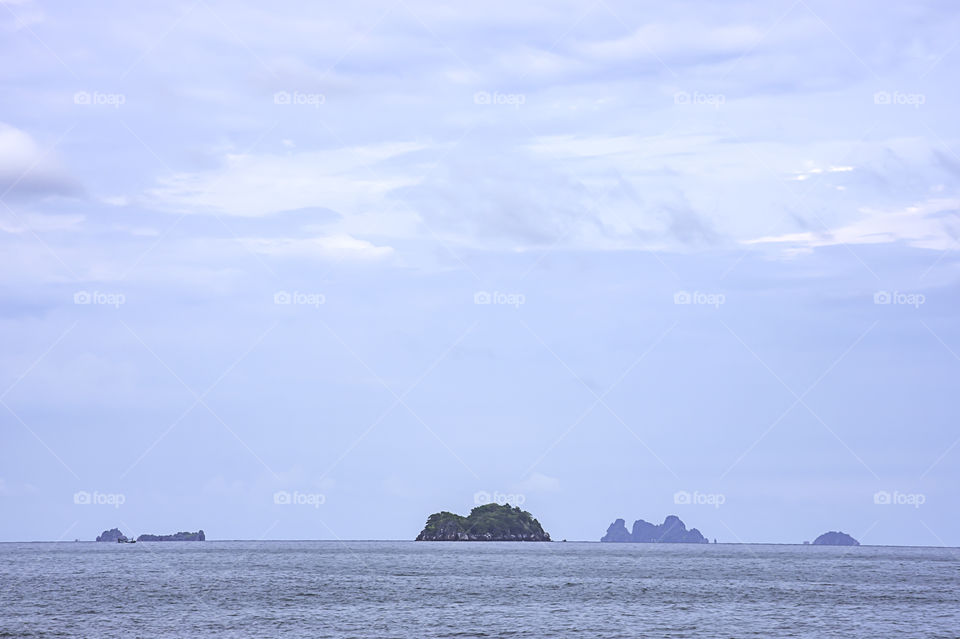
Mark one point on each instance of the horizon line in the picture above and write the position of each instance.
(562, 541)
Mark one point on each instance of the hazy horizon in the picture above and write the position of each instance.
(300, 272)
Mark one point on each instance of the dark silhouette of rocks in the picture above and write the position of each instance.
(617, 531)
(113, 534)
(672, 531)
(835, 538)
(180, 536)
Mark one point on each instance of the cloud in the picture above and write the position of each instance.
(488, 197)
(247, 185)
(599, 157)
(805, 174)
(38, 222)
(677, 41)
(26, 170)
(325, 247)
(688, 226)
(932, 224)
(949, 163)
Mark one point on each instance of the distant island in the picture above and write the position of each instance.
(490, 522)
(672, 531)
(115, 535)
(834, 538)
(180, 536)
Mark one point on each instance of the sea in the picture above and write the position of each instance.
(475, 589)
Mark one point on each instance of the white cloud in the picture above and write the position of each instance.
(933, 224)
(256, 185)
(677, 40)
(26, 168)
(17, 149)
(801, 176)
(325, 247)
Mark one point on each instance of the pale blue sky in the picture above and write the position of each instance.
(172, 173)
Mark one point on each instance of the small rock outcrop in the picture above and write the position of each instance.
(672, 531)
(113, 534)
(490, 522)
(180, 536)
(835, 538)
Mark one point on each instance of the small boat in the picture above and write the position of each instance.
(124, 540)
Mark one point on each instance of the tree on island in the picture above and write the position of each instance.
(490, 522)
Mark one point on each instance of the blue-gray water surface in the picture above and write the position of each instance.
(464, 589)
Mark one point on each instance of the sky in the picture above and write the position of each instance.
(304, 271)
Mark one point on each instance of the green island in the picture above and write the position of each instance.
(490, 522)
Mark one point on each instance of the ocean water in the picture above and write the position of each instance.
(462, 589)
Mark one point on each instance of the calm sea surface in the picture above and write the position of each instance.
(462, 589)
